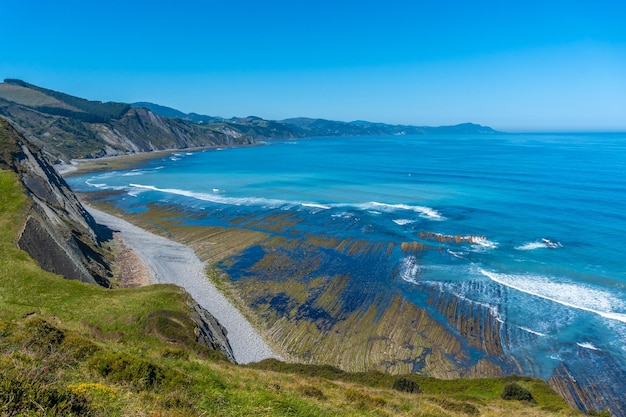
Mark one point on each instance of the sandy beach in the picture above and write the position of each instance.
(169, 262)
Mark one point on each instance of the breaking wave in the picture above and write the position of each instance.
(409, 269)
(425, 212)
(587, 345)
(577, 296)
(539, 244)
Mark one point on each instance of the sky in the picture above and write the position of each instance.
(512, 65)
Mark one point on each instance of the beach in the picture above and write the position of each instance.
(169, 262)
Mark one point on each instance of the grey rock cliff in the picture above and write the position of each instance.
(58, 233)
(210, 332)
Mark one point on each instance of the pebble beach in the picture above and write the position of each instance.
(169, 262)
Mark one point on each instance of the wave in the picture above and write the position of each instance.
(426, 212)
(102, 186)
(483, 242)
(402, 222)
(215, 197)
(539, 244)
(316, 205)
(587, 345)
(576, 296)
(409, 269)
(269, 202)
(526, 329)
(456, 254)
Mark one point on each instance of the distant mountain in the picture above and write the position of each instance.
(321, 127)
(303, 126)
(69, 127)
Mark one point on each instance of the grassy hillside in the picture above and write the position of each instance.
(29, 97)
(68, 348)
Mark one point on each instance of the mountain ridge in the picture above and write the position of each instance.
(68, 127)
(321, 127)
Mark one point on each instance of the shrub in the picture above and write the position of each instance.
(312, 392)
(404, 384)
(79, 348)
(23, 396)
(137, 372)
(43, 338)
(513, 391)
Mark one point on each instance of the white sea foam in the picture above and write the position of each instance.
(587, 345)
(215, 197)
(531, 246)
(248, 201)
(456, 254)
(133, 173)
(526, 329)
(425, 212)
(576, 296)
(402, 222)
(539, 244)
(483, 242)
(100, 185)
(315, 205)
(409, 269)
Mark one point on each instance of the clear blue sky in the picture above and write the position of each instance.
(514, 65)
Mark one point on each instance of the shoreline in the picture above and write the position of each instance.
(127, 161)
(170, 262)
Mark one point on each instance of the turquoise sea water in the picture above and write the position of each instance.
(545, 214)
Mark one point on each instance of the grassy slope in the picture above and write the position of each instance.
(69, 347)
(28, 97)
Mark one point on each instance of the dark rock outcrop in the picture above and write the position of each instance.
(210, 332)
(58, 233)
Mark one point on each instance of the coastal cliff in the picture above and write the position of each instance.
(58, 232)
(63, 238)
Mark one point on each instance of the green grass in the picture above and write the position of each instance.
(28, 97)
(69, 348)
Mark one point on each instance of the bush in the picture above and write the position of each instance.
(513, 391)
(312, 392)
(23, 396)
(404, 384)
(137, 372)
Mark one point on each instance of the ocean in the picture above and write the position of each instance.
(533, 226)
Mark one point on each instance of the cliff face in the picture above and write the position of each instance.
(65, 239)
(59, 233)
(138, 130)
